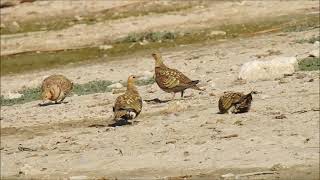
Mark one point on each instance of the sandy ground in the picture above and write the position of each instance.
(183, 137)
(214, 14)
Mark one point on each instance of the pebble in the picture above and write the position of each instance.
(105, 47)
(78, 177)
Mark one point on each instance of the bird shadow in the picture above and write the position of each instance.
(121, 122)
(156, 101)
(51, 103)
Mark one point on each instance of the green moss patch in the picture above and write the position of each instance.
(92, 87)
(309, 64)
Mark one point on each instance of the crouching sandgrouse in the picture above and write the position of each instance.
(235, 102)
(172, 80)
(55, 88)
(128, 105)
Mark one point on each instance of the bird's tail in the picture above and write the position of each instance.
(194, 85)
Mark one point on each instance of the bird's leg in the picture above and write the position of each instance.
(182, 94)
(173, 95)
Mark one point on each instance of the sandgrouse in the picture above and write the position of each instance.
(172, 80)
(128, 105)
(235, 102)
(55, 88)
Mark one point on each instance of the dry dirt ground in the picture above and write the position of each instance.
(184, 138)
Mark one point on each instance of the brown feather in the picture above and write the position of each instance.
(239, 101)
(58, 86)
(171, 80)
(129, 102)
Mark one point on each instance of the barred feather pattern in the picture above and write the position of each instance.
(56, 87)
(235, 101)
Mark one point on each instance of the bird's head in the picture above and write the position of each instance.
(46, 95)
(158, 59)
(131, 82)
(132, 79)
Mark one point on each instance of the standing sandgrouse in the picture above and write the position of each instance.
(128, 105)
(55, 88)
(172, 80)
(235, 102)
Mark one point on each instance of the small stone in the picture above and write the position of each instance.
(229, 175)
(314, 53)
(311, 80)
(78, 177)
(218, 33)
(300, 76)
(12, 95)
(118, 91)
(78, 18)
(116, 86)
(105, 47)
(277, 167)
(282, 116)
(186, 153)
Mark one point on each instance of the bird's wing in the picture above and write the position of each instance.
(172, 78)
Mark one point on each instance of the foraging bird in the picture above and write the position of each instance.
(235, 102)
(56, 88)
(128, 105)
(172, 80)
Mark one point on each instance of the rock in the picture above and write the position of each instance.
(268, 70)
(317, 43)
(118, 91)
(116, 86)
(277, 167)
(14, 26)
(78, 178)
(78, 18)
(28, 170)
(144, 42)
(314, 53)
(105, 47)
(229, 175)
(176, 107)
(12, 95)
(2, 25)
(146, 75)
(217, 33)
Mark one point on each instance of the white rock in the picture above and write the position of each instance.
(146, 75)
(314, 53)
(268, 70)
(105, 47)
(229, 175)
(317, 43)
(78, 178)
(217, 33)
(12, 95)
(116, 86)
(78, 18)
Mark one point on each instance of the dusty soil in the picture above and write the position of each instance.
(184, 138)
(214, 14)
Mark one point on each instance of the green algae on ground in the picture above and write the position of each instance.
(24, 62)
(309, 64)
(147, 41)
(92, 87)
